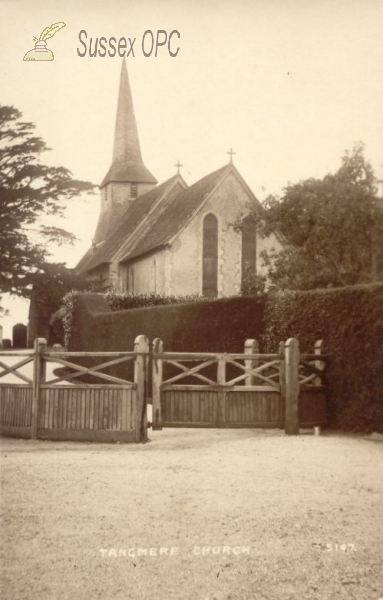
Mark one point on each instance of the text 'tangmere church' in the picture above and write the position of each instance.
(169, 238)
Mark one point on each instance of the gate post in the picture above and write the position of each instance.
(157, 376)
(319, 364)
(282, 381)
(251, 347)
(141, 348)
(38, 378)
(292, 386)
(221, 381)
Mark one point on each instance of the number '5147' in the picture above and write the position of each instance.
(340, 547)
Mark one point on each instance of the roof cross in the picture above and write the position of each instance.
(178, 165)
(231, 152)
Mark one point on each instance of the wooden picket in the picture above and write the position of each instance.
(114, 409)
(262, 390)
(250, 389)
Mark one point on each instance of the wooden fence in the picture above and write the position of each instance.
(283, 390)
(64, 408)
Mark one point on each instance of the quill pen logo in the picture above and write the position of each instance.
(40, 51)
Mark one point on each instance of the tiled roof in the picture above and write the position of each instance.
(171, 220)
(170, 210)
(128, 172)
(83, 262)
(133, 216)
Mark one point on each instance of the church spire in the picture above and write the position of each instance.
(127, 165)
(126, 143)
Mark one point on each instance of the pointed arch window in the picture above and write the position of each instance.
(210, 256)
(130, 279)
(249, 251)
(154, 274)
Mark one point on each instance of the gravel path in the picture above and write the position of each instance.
(235, 514)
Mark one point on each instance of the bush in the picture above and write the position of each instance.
(349, 320)
(116, 301)
(126, 301)
(212, 325)
(254, 285)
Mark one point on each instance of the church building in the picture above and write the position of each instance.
(170, 238)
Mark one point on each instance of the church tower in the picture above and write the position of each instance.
(127, 177)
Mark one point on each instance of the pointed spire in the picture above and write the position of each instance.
(126, 143)
(127, 165)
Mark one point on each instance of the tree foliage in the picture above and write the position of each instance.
(29, 190)
(332, 227)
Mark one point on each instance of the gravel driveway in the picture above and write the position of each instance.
(194, 514)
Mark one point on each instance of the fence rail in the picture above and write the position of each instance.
(91, 402)
(108, 408)
(248, 389)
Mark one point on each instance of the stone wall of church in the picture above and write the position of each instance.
(148, 274)
(115, 199)
(178, 270)
(120, 192)
(227, 202)
(99, 278)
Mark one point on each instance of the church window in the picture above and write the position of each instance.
(154, 267)
(133, 190)
(130, 279)
(210, 256)
(249, 251)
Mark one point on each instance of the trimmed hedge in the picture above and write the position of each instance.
(126, 301)
(217, 325)
(195, 327)
(61, 320)
(349, 320)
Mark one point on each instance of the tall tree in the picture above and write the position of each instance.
(333, 228)
(29, 190)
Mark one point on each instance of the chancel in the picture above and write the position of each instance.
(170, 238)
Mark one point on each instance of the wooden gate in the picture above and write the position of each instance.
(104, 408)
(282, 390)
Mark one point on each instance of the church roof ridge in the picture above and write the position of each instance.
(177, 213)
(130, 220)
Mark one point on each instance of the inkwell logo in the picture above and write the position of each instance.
(40, 51)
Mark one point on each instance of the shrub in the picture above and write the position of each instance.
(350, 321)
(253, 285)
(125, 300)
(116, 301)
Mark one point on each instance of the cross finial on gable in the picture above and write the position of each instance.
(178, 165)
(231, 152)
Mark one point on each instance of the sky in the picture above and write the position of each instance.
(288, 84)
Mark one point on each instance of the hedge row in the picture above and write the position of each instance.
(216, 325)
(349, 320)
(61, 320)
(125, 300)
